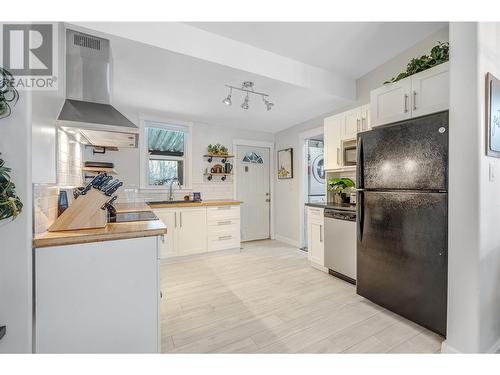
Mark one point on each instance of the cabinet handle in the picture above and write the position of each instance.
(180, 219)
(338, 156)
(175, 216)
(321, 233)
(414, 100)
(363, 122)
(3, 331)
(406, 103)
(224, 222)
(224, 207)
(225, 238)
(357, 125)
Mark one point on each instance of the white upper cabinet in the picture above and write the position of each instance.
(430, 91)
(352, 123)
(333, 141)
(418, 95)
(365, 118)
(391, 102)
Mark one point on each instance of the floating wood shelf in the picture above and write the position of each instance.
(223, 175)
(222, 157)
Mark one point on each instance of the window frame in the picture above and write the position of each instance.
(167, 124)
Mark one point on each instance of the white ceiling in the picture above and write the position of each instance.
(150, 79)
(350, 48)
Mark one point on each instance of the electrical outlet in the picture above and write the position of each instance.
(492, 172)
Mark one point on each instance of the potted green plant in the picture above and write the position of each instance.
(10, 204)
(8, 94)
(341, 186)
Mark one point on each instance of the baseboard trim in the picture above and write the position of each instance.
(446, 348)
(286, 240)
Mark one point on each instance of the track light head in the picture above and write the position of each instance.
(245, 105)
(269, 105)
(227, 101)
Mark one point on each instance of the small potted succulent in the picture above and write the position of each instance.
(217, 150)
(341, 188)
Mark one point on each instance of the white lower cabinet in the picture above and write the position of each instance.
(316, 236)
(194, 230)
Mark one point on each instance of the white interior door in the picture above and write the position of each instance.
(252, 188)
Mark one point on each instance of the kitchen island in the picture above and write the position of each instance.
(98, 290)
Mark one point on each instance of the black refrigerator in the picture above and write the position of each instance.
(402, 218)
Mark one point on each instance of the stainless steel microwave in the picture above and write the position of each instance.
(350, 155)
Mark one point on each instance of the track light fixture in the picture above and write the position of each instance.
(227, 101)
(247, 87)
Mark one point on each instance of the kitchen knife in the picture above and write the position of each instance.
(94, 182)
(109, 192)
(104, 183)
(109, 203)
(110, 185)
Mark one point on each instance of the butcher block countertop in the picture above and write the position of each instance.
(215, 202)
(112, 231)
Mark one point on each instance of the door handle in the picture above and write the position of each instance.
(414, 100)
(406, 103)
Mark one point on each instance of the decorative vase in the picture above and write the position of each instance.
(337, 198)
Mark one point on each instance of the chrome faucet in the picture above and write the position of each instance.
(172, 180)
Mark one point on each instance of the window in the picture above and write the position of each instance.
(253, 157)
(166, 149)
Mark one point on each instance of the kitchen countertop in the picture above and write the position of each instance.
(112, 231)
(204, 203)
(337, 206)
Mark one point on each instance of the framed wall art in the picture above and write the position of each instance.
(492, 116)
(285, 164)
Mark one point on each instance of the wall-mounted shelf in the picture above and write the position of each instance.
(223, 176)
(222, 157)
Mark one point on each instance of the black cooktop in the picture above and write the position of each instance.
(124, 217)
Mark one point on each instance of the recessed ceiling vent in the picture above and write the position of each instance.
(86, 41)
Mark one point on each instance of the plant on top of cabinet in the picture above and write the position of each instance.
(217, 150)
(440, 53)
(10, 204)
(340, 186)
(8, 94)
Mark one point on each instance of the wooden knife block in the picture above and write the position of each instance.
(84, 213)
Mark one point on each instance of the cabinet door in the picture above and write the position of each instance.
(352, 123)
(168, 246)
(365, 118)
(316, 245)
(391, 103)
(430, 91)
(192, 230)
(332, 145)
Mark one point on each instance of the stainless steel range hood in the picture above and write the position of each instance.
(87, 110)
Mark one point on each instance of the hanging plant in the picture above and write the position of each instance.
(10, 204)
(8, 94)
(439, 54)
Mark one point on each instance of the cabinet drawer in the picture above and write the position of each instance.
(223, 240)
(314, 212)
(223, 213)
(224, 225)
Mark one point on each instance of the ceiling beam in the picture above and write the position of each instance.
(188, 40)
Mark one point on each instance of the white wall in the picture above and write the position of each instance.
(15, 236)
(287, 192)
(474, 247)
(127, 161)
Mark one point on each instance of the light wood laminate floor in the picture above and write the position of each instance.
(268, 299)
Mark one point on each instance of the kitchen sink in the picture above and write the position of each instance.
(171, 202)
